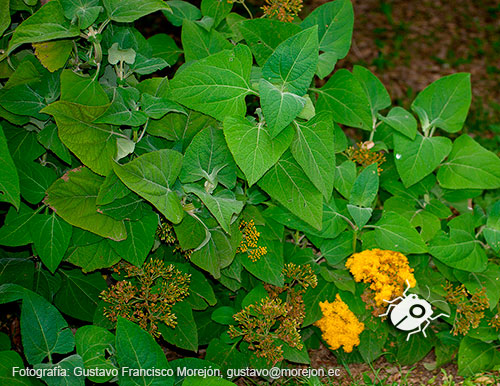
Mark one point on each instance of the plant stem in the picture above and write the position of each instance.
(245, 6)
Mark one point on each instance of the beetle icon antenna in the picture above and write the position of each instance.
(428, 292)
(407, 287)
(438, 300)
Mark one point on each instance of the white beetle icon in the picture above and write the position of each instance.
(411, 313)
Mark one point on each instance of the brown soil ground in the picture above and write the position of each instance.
(409, 44)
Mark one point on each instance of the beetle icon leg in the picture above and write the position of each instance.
(389, 309)
(426, 324)
(437, 316)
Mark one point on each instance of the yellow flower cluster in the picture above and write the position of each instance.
(249, 242)
(339, 325)
(387, 271)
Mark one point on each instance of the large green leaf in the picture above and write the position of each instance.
(414, 349)
(314, 149)
(475, 356)
(131, 207)
(4, 17)
(73, 197)
(344, 97)
(22, 143)
(313, 296)
(402, 121)
(444, 103)
(207, 157)
(50, 140)
(185, 333)
(180, 127)
(123, 109)
(79, 293)
(216, 9)
(82, 90)
(459, 249)
(70, 365)
(292, 64)
(264, 35)
(217, 251)
(287, 183)
(395, 233)
(51, 236)
(469, 166)
(287, 75)
(15, 231)
(164, 47)
(222, 205)
(93, 256)
(335, 21)
(86, 11)
(417, 158)
(48, 23)
(53, 55)
(269, 267)
(136, 349)
(190, 233)
(127, 11)
(337, 249)
(216, 85)
(201, 293)
(9, 179)
(372, 344)
(94, 144)
(365, 187)
(198, 43)
(23, 99)
(279, 107)
(182, 10)
(492, 229)
(139, 241)
(112, 189)
(345, 175)
(475, 281)
(43, 329)
(333, 224)
(360, 214)
(34, 179)
(152, 176)
(9, 358)
(253, 149)
(377, 94)
(94, 344)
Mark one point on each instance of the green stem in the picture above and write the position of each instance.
(372, 134)
(103, 25)
(245, 6)
(354, 239)
(354, 227)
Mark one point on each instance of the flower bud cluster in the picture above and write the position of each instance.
(277, 318)
(470, 307)
(146, 295)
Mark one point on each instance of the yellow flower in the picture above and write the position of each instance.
(339, 325)
(387, 271)
(249, 242)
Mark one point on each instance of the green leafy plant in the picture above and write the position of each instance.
(216, 173)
